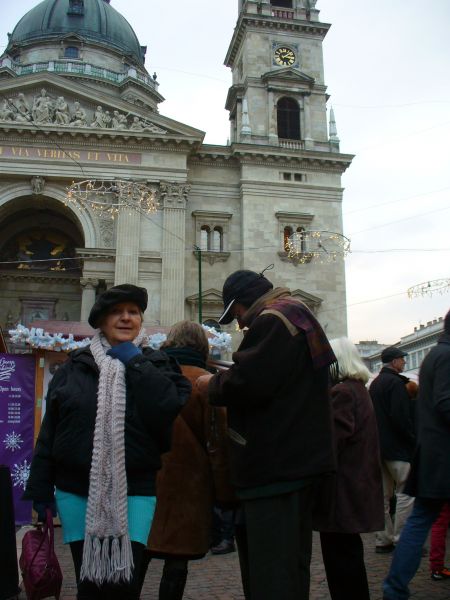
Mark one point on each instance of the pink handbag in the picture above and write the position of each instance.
(41, 573)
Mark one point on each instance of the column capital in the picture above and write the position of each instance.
(88, 283)
(174, 195)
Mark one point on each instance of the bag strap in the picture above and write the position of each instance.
(46, 531)
(50, 528)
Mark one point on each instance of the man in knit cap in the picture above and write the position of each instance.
(279, 424)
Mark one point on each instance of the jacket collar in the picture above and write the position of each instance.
(262, 302)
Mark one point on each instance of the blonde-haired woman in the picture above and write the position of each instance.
(356, 504)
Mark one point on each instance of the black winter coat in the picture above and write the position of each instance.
(430, 469)
(278, 407)
(155, 393)
(394, 410)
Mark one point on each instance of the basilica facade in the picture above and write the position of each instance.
(78, 104)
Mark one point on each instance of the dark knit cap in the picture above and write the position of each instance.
(390, 353)
(244, 287)
(447, 323)
(115, 295)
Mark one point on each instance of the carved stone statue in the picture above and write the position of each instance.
(23, 110)
(62, 116)
(37, 184)
(6, 114)
(42, 108)
(137, 124)
(119, 120)
(99, 118)
(107, 119)
(79, 116)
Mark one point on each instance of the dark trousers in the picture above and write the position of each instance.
(274, 546)
(343, 557)
(174, 576)
(108, 591)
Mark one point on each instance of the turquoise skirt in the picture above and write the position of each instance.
(72, 513)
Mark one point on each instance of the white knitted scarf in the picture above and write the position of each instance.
(107, 554)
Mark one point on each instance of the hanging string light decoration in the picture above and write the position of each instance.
(112, 196)
(428, 288)
(319, 246)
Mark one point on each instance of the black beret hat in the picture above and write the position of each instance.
(115, 295)
(245, 287)
(391, 352)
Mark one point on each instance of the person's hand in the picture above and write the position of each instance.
(202, 384)
(41, 509)
(124, 351)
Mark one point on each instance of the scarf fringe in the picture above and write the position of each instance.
(107, 560)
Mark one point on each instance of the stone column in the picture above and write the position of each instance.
(272, 119)
(127, 247)
(88, 296)
(307, 135)
(174, 200)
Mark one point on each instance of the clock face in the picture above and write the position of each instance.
(284, 57)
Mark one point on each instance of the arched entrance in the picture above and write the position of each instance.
(39, 271)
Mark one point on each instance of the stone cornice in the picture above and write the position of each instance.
(266, 22)
(86, 135)
(274, 155)
(42, 277)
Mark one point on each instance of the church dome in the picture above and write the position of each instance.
(94, 21)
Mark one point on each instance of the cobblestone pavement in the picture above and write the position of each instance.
(218, 578)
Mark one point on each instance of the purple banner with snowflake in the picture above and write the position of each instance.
(17, 374)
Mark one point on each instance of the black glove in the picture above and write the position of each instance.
(41, 509)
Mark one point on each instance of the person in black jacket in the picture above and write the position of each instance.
(429, 480)
(394, 410)
(109, 416)
(280, 430)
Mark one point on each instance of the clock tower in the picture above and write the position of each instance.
(278, 96)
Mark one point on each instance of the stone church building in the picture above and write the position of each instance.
(77, 103)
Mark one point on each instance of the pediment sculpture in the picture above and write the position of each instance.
(44, 109)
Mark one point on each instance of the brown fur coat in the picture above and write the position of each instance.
(194, 475)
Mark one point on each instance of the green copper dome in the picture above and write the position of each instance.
(93, 20)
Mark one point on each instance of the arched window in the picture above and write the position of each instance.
(286, 235)
(39, 249)
(288, 119)
(71, 52)
(217, 240)
(205, 236)
(282, 3)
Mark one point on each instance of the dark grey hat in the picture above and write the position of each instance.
(391, 352)
(119, 293)
(245, 287)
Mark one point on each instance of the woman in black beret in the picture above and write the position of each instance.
(109, 416)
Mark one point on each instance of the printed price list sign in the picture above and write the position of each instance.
(17, 377)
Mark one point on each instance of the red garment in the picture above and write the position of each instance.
(438, 539)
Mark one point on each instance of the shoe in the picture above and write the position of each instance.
(385, 549)
(224, 547)
(439, 575)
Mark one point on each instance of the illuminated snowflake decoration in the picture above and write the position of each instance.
(20, 474)
(13, 441)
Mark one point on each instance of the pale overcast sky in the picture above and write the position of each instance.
(387, 66)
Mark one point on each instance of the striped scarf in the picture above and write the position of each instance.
(107, 554)
(297, 313)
